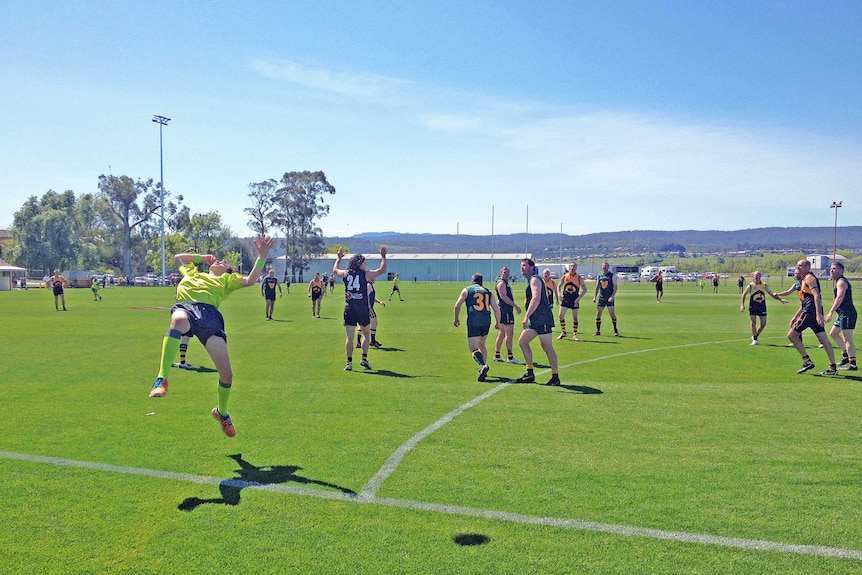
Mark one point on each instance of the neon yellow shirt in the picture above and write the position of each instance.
(205, 287)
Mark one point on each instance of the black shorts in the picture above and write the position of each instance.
(802, 321)
(757, 309)
(58, 290)
(570, 302)
(476, 330)
(541, 325)
(206, 320)
(507, 316)
(356, 316)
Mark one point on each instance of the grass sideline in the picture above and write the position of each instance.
(679, 426)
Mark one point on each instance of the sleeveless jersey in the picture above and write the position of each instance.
(356, 289)
(269, 287)
(570, 287)
(478, 305)
(806, 296)
(606, 286)
(544, 312)
(550, 289)
(757, 299)
(316, 288)
(846, 306)
(504, 307)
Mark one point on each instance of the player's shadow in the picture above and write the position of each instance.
(582, 389)
(387, 373)
(202, 369)
(251, 476)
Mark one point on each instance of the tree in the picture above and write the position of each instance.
(45, 231)
(129, 217)
(207, 234)
(263, 197)
(299, 204)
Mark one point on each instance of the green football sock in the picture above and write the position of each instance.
(223, 394)
(170, 348)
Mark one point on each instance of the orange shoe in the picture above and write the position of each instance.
(160, 387)
(226, 423)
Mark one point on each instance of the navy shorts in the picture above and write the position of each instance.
(846, 321)
(570, 302)
(206, 320)
(507, 316)
(541, 325)
(356, 316)
(478, 330)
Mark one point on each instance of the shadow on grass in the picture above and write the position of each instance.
(387, 373)
(252, 475)
(582, 389)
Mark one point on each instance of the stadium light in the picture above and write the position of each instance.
(162, 121)
(835, 205)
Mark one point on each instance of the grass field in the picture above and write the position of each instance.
(676, 448)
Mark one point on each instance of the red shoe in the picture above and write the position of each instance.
(226, 423)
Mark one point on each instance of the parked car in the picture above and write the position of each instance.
(634, 278)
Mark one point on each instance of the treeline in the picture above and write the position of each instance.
(119, 229)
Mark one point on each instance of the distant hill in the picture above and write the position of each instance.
(809, 240)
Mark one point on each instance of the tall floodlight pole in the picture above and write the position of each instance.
(835, 205)
(162, 121)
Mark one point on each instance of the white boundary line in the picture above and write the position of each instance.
(394, 460)
(556, 522)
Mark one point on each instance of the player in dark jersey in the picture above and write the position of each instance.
(538, 322)
(810, 315)
(372, 315)
(58, 282)
(572, 288)
(550, 286)
(316, 291)
(508, 308)
(606, 293)
(757, 292)
(480, 303)
(356, 310)
(267, 290)
(842, 330)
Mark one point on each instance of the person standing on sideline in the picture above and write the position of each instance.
(356, 309)
(95, 288)
(287, 282)
(316, 290)
(659, 286)
(758, 291)
(571, 288)
(740, 283)
(196, 313)
(480, 302)
(714, 283)
(810, 315)
(538, 322)
(58, 282)
(604, 296)
(267, 290)
(842, 331)
(508, 309)
(396, 287)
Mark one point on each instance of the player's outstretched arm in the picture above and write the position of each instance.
(262, 245)
(372, 274)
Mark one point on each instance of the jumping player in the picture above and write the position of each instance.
(572, 289)
(480, 302)
(810, 315)
(196, 313)
(758, 291)
(356, 310)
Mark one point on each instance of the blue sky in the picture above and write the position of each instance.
(599, 116)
